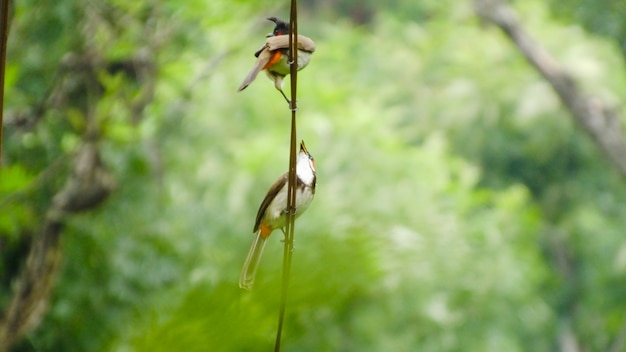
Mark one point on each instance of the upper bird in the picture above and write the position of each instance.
(273, 57)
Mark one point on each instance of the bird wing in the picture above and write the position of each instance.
(271, 194)
(282, 42)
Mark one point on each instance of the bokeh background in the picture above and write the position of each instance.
(458, 205)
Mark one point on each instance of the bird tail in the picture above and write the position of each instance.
(251, 76)
(248, 273)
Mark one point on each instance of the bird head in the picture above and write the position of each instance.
(281, 27)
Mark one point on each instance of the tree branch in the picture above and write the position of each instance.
(76, 85)
(595, 118)
(87, 186)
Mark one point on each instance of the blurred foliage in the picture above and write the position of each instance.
(458, 207)
(603, 17)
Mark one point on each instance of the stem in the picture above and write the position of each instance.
(4, 33)
(291, 191)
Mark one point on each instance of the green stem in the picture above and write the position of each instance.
(291, 192)
(4, 33)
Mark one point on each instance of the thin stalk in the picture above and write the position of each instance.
(291, 191)
(4, 34)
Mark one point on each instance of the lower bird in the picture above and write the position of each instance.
(272, 213)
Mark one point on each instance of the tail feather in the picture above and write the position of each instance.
(251, 76)
(260, 63)
(248, 272)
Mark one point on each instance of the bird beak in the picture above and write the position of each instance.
(269, 35)
(303, 147)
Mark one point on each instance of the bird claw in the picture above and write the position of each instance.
(292, 107)
(287, 99)
(291, 244)
(284, 239)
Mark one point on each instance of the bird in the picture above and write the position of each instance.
(273, 56)
(272, 213)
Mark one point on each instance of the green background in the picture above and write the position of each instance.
(458, 206)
